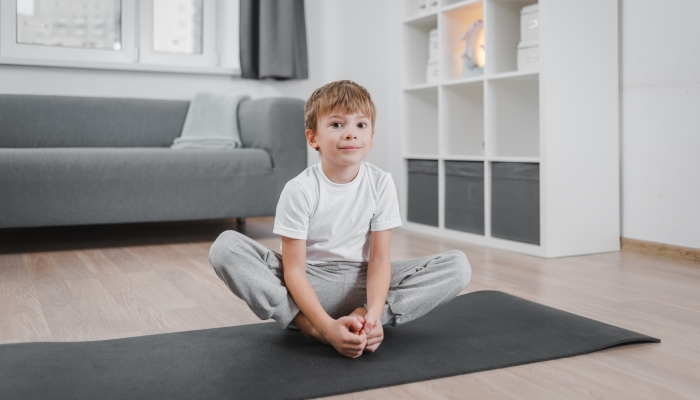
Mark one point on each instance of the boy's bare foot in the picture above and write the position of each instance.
(307, 328)
(358, 312)
(341, 335)
(372, 327)
(375, 336)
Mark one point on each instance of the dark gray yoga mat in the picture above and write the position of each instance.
(475, 332)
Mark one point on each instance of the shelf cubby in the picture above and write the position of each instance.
(422, 120)
(416, 32)
(463, 119)
(503, 34)
(512, 117)
(455, 21)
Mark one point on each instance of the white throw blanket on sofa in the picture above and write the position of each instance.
(211, 122)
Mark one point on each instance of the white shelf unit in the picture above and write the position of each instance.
(563, 118)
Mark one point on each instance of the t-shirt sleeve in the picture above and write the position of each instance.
(293, 212)
(387, 215)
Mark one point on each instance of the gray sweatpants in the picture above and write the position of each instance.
(254, 273)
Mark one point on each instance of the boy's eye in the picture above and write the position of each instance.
(336, 124)
(361, 125)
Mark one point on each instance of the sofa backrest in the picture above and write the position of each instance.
(66, 121)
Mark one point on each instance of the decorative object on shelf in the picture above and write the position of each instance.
(474, 57)
(432, 71)
(529, 56)
(529, 23)
(434, 43)
(529, 46)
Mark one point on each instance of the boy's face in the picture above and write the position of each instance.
(343, 139)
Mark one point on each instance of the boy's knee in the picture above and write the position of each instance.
(219, 249)
(461, 268)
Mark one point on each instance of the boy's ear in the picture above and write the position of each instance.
(311, 138)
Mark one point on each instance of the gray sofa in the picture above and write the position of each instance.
(80, 160)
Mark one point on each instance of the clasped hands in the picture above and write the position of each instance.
(354, 334)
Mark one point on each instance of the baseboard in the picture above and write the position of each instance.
(660, 249)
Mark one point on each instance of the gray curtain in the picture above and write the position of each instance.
(273, 39)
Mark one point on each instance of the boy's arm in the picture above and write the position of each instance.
(294, 268)
(378, 282)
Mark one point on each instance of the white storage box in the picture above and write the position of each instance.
(433, 5)
(432, 72)
(529, 23)
(434, 44)
(529, 56)
(422, 6)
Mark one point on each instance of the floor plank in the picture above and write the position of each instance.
(21, 317)
(13, 268)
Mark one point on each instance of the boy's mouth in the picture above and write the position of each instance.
(350, 148)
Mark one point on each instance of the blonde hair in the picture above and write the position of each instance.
(343, 96)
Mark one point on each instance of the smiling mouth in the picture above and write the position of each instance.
(350, 148)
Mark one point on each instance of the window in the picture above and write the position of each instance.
(161, 35)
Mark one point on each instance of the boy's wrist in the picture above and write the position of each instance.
(375, 312)
(324, 324)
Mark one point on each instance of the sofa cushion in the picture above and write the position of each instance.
(67, 121)
(67, 186)
(78, 164)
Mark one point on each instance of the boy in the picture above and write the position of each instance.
(334, 279)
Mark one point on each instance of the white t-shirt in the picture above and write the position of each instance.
(336, 219)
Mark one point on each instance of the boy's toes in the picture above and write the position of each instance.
(371, 349)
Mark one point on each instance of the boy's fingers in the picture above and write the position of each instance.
(373, 341)
(355, 338)
(350, 323)
(369, 325)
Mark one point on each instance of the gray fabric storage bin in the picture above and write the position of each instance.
(464, 196)
(515, 201)
(423, 192)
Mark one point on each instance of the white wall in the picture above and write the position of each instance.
(361, 40)
(660, 121)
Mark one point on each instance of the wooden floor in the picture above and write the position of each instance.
(91, 283)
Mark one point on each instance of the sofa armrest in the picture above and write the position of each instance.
(277, 126)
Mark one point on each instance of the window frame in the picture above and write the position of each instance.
(219, 55)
